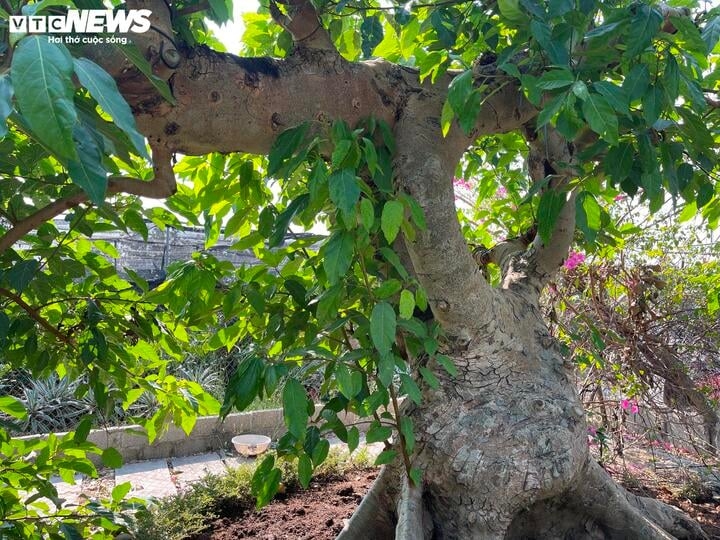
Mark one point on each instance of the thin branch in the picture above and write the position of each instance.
(36, 316)
(162, 186)
(551, 158)
(303, 23)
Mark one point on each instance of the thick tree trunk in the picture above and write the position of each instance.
(503, 450)
(508, 432)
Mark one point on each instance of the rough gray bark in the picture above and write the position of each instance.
(505, 441)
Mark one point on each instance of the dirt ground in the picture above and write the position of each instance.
(319, 512)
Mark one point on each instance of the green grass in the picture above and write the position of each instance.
(181, 516)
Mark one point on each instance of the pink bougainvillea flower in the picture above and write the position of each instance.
(574, 260)
(619, 197)
(501, 192)
(592, 431)
(630, 405)
(461, 183)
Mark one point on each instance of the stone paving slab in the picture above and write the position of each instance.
(70, 492)
(188, 470)
(149, 479)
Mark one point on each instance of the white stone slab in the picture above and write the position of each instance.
(149, 479)
(70, 492)
(188, 470)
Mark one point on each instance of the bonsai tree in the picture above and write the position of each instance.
(362, 116)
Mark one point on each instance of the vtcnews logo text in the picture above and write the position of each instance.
(84, 21)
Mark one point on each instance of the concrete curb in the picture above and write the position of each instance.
(209, 434)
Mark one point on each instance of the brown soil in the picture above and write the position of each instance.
(318, 513)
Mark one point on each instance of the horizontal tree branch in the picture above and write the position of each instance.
(162, 186)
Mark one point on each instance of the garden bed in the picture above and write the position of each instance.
(317, 513)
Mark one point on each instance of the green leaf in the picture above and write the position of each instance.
(21, 274)
(711, 33)
(70, 532)
(132, 53)
(341, 150)
(244, 385)
(416, 476)
(385, 457)
(377, 433)
(580, 89)
(614, 94)
(6, 106)
(388, 288)
(320, 452)
(510, 9)
(295, 412)
(349, 381)
(284, 147)
(383, 325)
(367, 214)
(430, 378)
(390, 256)
(554, 48)
(4, 328)
(671, 77)
(338, 256)
(619, 161)
(371, 32)
(391, 219)
(603, 29)
(556, 78)
(42, 77)
(83, 429)
(601, 117)
(588, 215)
(551, 204)
(406, 429)
(88, 171)
(344, 190)
(652, 103)
(636, 82)
(266, 481)
(409, 386)
(305, 470)
(407, 304)
(220, 11)
(102, 87)
(459, 91)
(120, 490)
(112, 458)
(282, 222)
(386, 369)
(643, 27)
(551, 109)
(353, 439)
(371, 157)
(13, 407)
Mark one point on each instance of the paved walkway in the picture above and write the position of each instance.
(157, 478)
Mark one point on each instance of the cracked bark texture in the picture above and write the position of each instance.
(502, 446)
